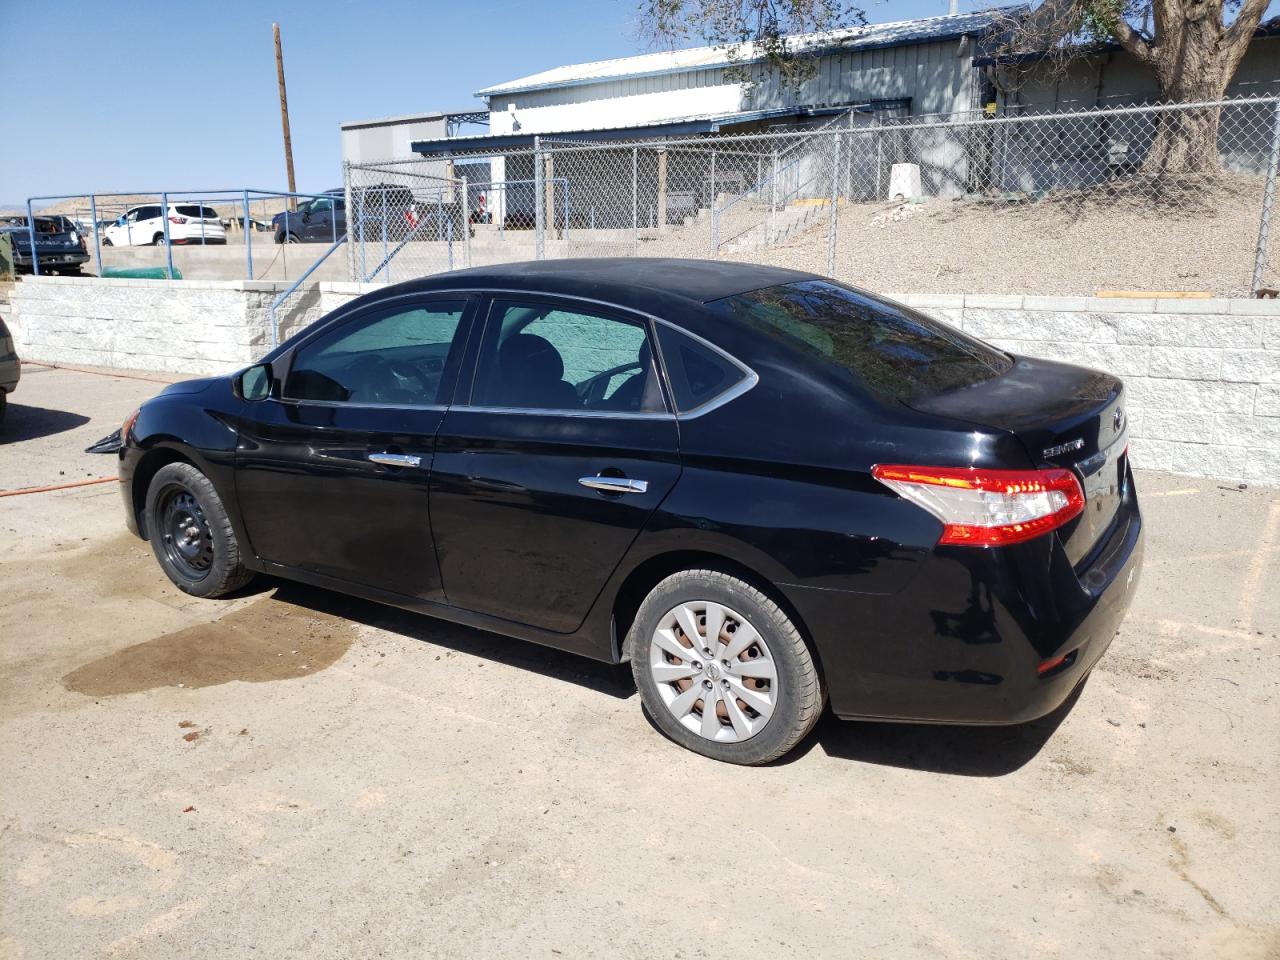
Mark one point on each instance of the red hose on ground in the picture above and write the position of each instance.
(98, 373)
(57, 486)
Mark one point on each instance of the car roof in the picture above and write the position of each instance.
(615, 278)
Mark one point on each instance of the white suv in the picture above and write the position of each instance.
(188, 223)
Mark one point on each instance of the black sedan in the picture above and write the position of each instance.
(764, 489)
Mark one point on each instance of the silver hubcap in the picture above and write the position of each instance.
(714, 671)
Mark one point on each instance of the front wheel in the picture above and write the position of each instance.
(191, 534)
(158, 240)
(722, 670)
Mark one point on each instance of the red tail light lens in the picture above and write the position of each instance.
(988, 508)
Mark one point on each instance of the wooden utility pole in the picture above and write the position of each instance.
(284, 117)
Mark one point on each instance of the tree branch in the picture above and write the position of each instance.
(1247, 20)
(1133, 42)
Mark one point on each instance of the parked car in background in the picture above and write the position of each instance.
(10, 368)
(59, 246)
(320, 220)
(394, 212)
(762, 488)
(189, 222)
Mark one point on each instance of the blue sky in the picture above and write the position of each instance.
(158, 94)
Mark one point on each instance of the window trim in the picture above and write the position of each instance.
(743, 386)
(721, 398)
(453, 358)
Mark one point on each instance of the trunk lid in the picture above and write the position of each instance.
(1064, 416)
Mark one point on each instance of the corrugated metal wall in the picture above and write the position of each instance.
(1116, 80)
(936, 77)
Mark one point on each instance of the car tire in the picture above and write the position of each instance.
(292, 238)
(191, 534)
(4, 404)
(158, 240)
(106, 242)
(795, 695)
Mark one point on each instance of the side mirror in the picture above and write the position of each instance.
(253, 384)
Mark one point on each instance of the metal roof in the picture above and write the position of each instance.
(668, 128)
(466, 112)
(876, 35)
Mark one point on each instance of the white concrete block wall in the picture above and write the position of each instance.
(1203, 376)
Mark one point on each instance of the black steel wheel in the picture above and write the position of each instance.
(191, 534)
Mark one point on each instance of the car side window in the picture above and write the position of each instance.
(697, 373)
(544, 356)
(394, 357)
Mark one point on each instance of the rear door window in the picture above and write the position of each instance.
(892, 350)
(545, 356)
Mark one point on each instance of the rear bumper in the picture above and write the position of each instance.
(10, 373)
(51, 261)
(962, 643)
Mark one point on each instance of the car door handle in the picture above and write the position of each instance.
(396, 459)
(615, 484)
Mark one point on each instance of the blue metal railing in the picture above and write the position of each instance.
(243, 196)
(275, 304)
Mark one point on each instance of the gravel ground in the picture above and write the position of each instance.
(1204, 240)
(295, 774)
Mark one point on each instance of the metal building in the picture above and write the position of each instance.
(908, 68)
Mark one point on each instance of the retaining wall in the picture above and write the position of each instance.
(1203, 375)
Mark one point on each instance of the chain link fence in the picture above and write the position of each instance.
(1153, 198)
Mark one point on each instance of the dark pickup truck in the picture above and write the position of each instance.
(321, 220)
(59, 244)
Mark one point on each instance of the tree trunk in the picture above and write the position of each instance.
(1185, 141)
(1189, 67)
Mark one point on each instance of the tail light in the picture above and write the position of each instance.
(177, 219)
(988, 508)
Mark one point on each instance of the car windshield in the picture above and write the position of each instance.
(892, 350)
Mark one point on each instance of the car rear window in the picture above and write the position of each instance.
(892, 350)
(189, 210)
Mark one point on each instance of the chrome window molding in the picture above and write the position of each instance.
(737, 390)
(569, 412)
(728, 396)
(347, 405)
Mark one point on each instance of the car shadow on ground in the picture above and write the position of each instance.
(933, 748)
(31, 423)
(615, 681)
(962, 751)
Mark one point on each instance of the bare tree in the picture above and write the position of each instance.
(771, 28)
(1188, 45)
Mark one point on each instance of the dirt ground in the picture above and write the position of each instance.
(296, 774)
(1202, 240)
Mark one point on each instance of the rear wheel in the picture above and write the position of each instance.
(191, 534)
(106, 242)
(4, 404)
(722, 670)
